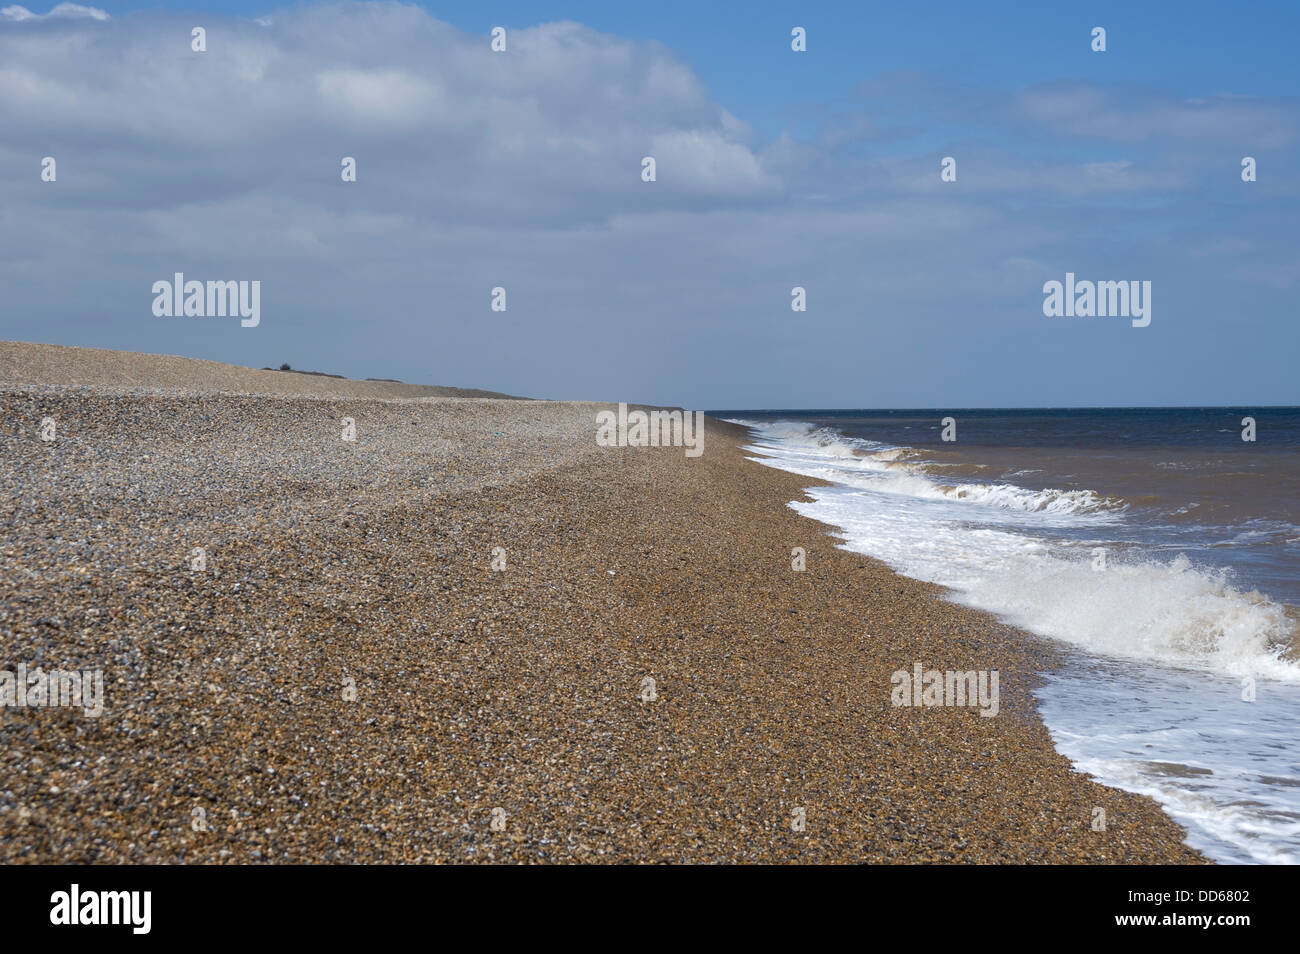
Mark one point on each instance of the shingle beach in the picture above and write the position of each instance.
(349, 678)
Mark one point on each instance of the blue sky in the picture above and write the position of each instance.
(776, 169)
(740, 48)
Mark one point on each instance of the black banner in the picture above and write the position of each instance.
(337, 904)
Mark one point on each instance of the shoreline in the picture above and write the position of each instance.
(477, 689)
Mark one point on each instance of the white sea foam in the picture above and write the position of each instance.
(988, 543)
(1223, 767)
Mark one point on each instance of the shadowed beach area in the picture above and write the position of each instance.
(349, 679)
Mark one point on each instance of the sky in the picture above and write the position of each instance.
(522, 169)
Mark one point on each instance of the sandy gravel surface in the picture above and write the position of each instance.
(23, 362)
(333, 564)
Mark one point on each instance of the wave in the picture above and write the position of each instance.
(902, 470)
(1168, 612)
(987, 544)
(1011, 497)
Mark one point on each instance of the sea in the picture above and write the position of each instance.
(1157, 548)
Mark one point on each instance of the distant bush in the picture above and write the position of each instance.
(285, 367)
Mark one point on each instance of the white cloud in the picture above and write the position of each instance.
(706, 161)
(69, 11)
(1129, 116)
(555, 127)
(390, 96)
